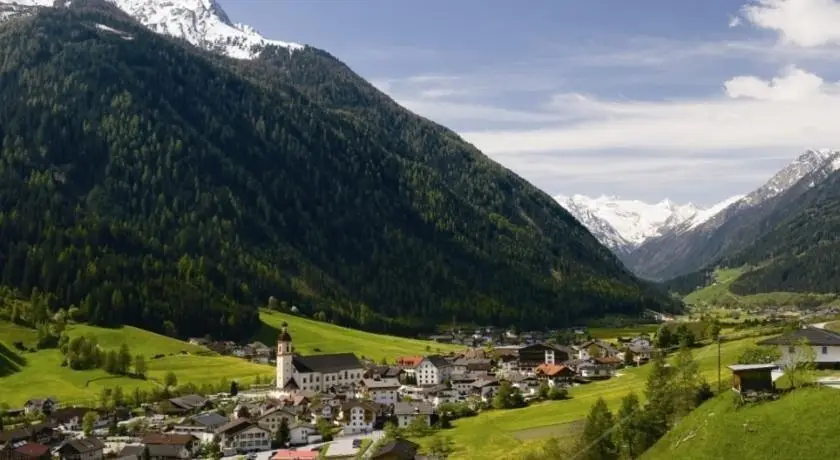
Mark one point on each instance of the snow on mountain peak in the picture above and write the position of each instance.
(202, 23)
(803, 165)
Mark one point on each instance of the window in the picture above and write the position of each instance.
(825, 350)
(791, 349)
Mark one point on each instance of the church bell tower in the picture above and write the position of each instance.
(284, 358)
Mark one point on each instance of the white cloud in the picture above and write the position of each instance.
(792, 111)
(805, 23)
(734, 21)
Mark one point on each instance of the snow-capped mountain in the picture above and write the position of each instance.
(202, 23)
(805, 164)
(622, 225)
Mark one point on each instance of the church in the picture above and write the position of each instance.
(318, 373)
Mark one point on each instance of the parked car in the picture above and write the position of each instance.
(357, 443)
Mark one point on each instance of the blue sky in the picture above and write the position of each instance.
(694, 100)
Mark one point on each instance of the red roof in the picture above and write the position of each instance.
(295, 455)
(551, 369)
(33, 449)
(409, 361)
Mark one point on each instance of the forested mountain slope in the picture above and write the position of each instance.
(144, 180)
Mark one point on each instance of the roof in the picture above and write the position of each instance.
(751, 367)
(410, 361)
(335, 362)
(640, 349)
(436, 360)
(235, 426)
(813, 335)
(284, 334)
(411, 408)
(168, 439)
(484, 383)
(131, 451)
(23, 433)
(189, 401)
(551, 369)
(381, 383)
(287, 454)
(399, 448)
(606, 360)
(164, 450)
(84, 445)
(33, 449)
(210, 419)
(68, 413)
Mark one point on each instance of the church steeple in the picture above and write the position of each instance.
(284, 357)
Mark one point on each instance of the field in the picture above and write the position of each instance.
(508, 433)
(802, 424)
(25, 375)
(311, 337)
(604, 333)
(718, 294)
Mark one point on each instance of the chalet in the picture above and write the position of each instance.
(641, 353)
(433, 370)
(171, 446)
(824, 343)
(591, 369)
(463, 384)
(273, 418)
(82, 449)
(382, 391)
(40, 406)
(554, 373)
(190, 403)
(593, 348)
(358, 416)
(243, 435)
(41, 433)
(69, 418)
(406, 412)
(463, 365)
(752, 377)
(485, 389)
(531, 356)
(397, 449)
(527, 384)
(303, 433)
(202, 426)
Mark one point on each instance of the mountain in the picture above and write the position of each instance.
(623, 225)
(737, 226)
(147, 181)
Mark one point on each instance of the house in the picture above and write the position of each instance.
(433, 370)
(287, 454)
(442, 338)
(69, 418)
(273, 418)
(82, 449)
(595, 371)
(527, 384)
(406, 412)
(397, 449)
(463, 365)
(243, 435)
(593, 348)
(642, 341)
(531, 356)
(40, 406)
(41, 433)
(199, 341)
(303, 433)
(322, 410)
(462, 384)
(171, 446)
(554, 373)
(260, 352)
(358, 416)
(752, 377)
(33, 451)
(641, 353)
(315, 372)
(824, 344)
(381, 391)
(189, 403)
(202, 426)
(485, 389)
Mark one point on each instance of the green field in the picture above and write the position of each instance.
(718, 294)
(800, 425)
(25, 375)
(310, 336)
(604, 333)
(509, 433)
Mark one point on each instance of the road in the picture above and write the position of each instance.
(820, 325)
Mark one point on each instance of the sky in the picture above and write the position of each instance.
(693, 100)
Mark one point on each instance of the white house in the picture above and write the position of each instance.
(315, 372)
(382, 391)
(406, 412)
(358, 416)
(824, 344)
(272, 418)
(485, 389)
(584, 351)
(242, 435)
(303, 433)
(433, 370)
(202, 426)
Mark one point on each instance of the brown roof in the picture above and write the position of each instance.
(32, 449)
(409, 361)
(235, 426)
(84, 445)
(168, 439)
(607, 360)
(551, 370)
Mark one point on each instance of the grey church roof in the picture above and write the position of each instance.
(329, 363)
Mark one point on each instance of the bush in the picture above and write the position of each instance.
(557, 393)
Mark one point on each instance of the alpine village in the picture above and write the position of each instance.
(217, 245)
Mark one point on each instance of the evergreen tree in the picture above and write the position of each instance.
(123, 360)
(140, 368)
(282, 435)
(685, 383)
(660, 401)
(629, 437)
(597, 439)
(170, 380)
(88, 422)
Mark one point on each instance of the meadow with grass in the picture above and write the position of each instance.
(313, 337)
(719, 294)
(509, 434)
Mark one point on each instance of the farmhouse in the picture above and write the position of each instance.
(166, 445)
(824, 344)
(406, 412)
(433, 370)
(316, 372)
(82, 449)
(382, 391)
(242, 435)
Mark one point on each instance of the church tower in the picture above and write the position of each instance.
(284, 358)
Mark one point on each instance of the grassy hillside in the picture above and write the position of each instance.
(720, 294)
(508, 433)
(25, 375)
(800, 425)
(310, 336)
